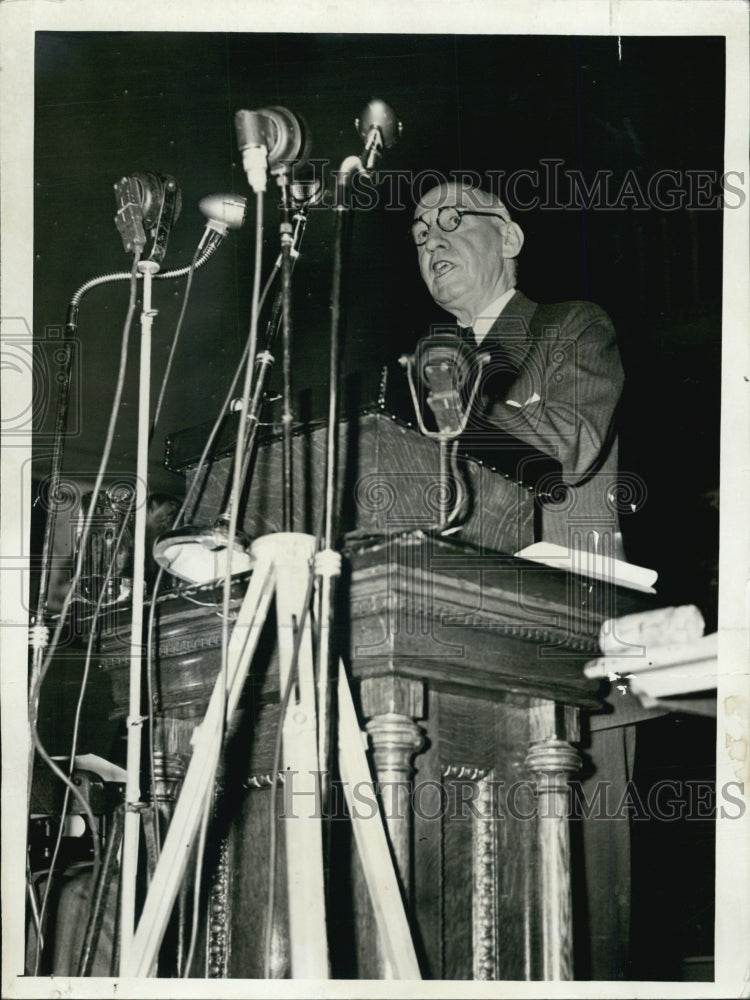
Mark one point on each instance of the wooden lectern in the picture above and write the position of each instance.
(467, 666)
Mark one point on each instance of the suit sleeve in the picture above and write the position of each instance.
(569, 393)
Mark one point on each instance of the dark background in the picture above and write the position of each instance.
(111, 104)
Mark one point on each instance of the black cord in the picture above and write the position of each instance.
(35, 693)
(175, 339)
(77, 721)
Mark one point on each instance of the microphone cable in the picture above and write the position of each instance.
(36, 685)
(208, 244)
(76, 725)
(205, 249)
(175, 339)
(227, 582)
(102, 279)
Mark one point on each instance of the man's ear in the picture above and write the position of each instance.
(512, 239)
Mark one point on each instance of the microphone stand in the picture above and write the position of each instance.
(263, 362)
(129, 222)
(444, 401)
(287, 418)
(133, 805)
(379, 128)
(329, 566)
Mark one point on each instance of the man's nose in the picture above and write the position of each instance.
(436, 239)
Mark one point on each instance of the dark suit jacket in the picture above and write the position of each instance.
(553, 381)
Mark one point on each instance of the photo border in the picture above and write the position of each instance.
(19, 20)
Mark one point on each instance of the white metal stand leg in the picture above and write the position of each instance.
(282, 565)
(134, 721)
(199, 776)
(292, 555)
(372, 844)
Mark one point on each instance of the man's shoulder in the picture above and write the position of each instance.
(574, 310)
(538, 323)
(570, 319)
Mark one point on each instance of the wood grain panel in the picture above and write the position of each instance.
(248, 881)
(458, 887)
(428, 858)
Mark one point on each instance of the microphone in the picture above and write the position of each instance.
(224, 212)
(379, 128)
(268, 139)
(443, 363)
(155, 191)
(147, 201)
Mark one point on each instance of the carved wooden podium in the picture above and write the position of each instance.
(467, 668)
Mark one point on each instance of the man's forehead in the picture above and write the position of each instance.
(458, 195)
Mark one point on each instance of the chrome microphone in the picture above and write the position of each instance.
(268, 140)
(223, 212)
(445, 364)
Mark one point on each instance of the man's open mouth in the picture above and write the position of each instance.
(441, 266)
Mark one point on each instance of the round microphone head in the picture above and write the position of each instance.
(382, 116)
(443, 359)
(227, 209)
(151, 189)
(288, 137)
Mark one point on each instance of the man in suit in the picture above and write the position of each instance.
(554, 376)
(553, 382)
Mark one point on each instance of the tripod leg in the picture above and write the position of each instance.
(292, 556)
(199, 776)
(372, 845)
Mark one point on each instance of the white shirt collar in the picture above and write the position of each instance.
(482, 324)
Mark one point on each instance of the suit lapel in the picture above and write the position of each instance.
(510, 336)
(508, 342)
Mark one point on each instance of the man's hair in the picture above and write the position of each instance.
(471, 195)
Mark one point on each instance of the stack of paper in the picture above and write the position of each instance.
(588, 564)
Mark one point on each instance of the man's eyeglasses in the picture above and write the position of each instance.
(448, 219)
